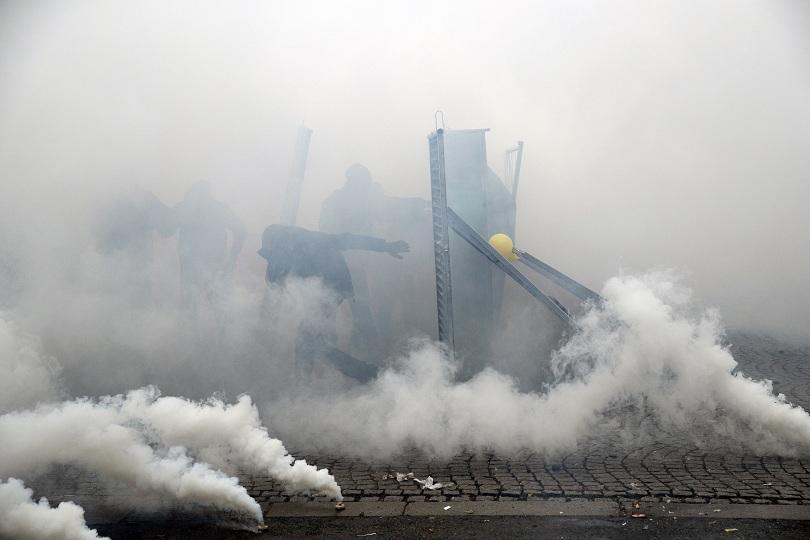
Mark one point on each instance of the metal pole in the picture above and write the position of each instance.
(292, 195)
(441, 240)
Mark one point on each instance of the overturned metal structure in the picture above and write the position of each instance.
(470, 203)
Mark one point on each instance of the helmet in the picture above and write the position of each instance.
(503, 245)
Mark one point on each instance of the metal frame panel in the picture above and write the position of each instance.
(441, 240)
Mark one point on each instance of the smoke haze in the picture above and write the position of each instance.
(660, 134)
(664, 134)
(647, 359)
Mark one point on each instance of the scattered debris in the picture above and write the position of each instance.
(766, 484)
(716, 510)
(638, 515)
(399, 477)
(428, 483)
(448, 507)
(469, 511)
(367, 534)
(731, 529)
(261, 527)
(340, 506)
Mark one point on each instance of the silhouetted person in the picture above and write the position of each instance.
(361, 206)
(125, 230)
(206, 263)
(354, 209)
(293, 251)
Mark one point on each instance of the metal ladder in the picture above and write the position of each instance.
(441, 240)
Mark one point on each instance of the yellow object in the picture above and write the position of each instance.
(503, 245)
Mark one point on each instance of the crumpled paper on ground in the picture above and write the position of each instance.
(427, 483)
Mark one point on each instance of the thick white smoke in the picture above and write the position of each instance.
(23, 519)
(229, 437)
(99, 436)
(645, 346)
(151, 443)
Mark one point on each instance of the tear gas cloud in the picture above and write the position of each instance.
(658, 135)
(647, 352)
(24, 519)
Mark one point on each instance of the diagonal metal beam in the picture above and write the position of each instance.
(482, 246)
(577, 289)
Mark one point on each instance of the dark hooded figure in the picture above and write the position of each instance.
(206, 263)
(293, 251)
(355, 208)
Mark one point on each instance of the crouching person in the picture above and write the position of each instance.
(297, 252)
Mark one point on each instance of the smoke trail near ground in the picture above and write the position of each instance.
(23, 519)
(644, 356)
(100, 437)
(229, 436)
(159, 445)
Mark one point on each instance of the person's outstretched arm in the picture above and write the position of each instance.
(347, 241)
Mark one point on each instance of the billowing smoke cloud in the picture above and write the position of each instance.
(146, 441)
(668, 133)
(103, 438)
(228, 436)
(644, 352)
(23, 519)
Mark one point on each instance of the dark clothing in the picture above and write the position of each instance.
(316, 339)
(292, 251)
(303, 253)
(354, 208)
(129, 222)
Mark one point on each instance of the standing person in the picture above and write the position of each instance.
(206, 263)
(388, 304)
(354, 208)
(293, 251)
(124, 231)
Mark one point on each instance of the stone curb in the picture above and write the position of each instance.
(600, 508)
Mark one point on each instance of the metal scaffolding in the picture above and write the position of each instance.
(446, 219)
(441, 239)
